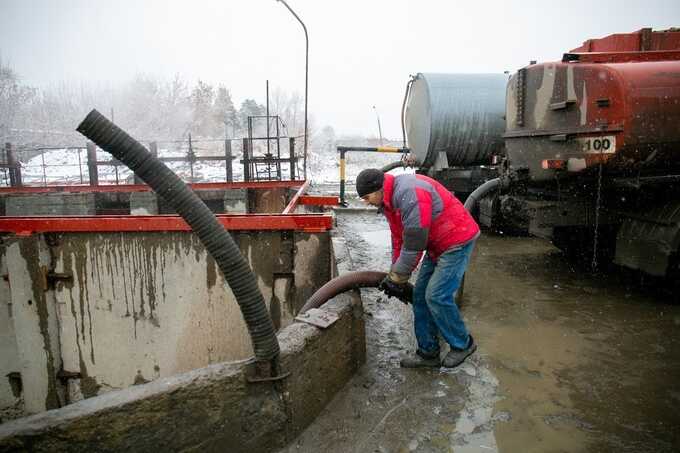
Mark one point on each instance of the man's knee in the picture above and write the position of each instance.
(435, 298)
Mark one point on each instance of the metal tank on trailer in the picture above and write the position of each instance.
(461, 115)
(454, 124)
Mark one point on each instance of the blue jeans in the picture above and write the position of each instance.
(434, 307)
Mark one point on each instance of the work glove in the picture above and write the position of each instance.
(396, 285)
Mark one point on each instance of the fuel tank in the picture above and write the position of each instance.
(619, 106)
(459, 114)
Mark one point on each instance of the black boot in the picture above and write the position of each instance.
(421, 360)
(457, 356)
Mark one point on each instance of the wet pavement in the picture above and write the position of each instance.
(568, 361)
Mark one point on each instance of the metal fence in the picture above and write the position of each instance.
(203, 160)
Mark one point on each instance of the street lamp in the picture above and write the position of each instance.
(379, 128)
(304, 157)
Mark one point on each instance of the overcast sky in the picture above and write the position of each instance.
(361, 51)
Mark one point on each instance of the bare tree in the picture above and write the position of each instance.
(225, 112)
(15, 100)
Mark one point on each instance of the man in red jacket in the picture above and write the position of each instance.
(424, 216)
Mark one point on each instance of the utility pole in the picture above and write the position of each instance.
(304, 156)
(379, 128)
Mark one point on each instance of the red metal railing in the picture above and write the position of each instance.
(30, 225)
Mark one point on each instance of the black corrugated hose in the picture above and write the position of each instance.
(480, 192)
(203, 222)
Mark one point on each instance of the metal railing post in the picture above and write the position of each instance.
(293, 159)
(342, 178)
(191, 157)
(92, 163)
(14, 166)
(246, 161)
(153, 148)
(228, 160)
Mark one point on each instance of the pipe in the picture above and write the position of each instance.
(403, 108)
(399, 163)
(392, 166)
(217, 241)
(350, 280)
(480, 192)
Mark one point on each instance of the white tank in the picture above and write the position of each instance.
(459, 114)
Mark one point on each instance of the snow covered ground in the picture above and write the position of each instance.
(69, 166)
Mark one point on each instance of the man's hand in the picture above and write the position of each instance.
(396, 285)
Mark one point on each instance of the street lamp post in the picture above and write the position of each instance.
(379, 128)
(304, 156)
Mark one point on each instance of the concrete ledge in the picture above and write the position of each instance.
(143, 203)
(212, 408)
(50, 204)
(352, 209)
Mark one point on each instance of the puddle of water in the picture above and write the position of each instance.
(573, 353)
(567, 362)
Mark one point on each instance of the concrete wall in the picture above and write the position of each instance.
(135, 203)
(101, 312)
(235, 201)
(11, 400)
(232, 201)
(143, 203)
(36, 326)
(213, 408)
(50, 204)
(267, 200)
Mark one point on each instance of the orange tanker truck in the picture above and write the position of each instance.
(589, 155)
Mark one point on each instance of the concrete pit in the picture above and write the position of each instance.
(131, 340)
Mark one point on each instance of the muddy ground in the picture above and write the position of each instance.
(568, 361)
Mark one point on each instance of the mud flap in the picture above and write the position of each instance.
(648, 240)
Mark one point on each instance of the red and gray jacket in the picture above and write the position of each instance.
(423, 215)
